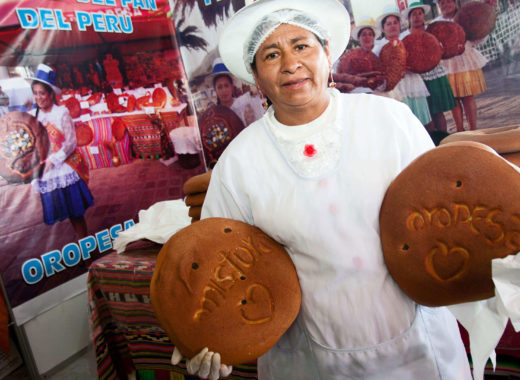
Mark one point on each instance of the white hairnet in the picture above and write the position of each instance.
(270, 22)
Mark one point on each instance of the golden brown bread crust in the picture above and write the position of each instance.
(451, 36)
(358, 61)
(423, 51)
(393, 62)
(197, 184)
(501, 139)
(225, 285)
(445, 217)
(22, 161)
(477, 19)
(196, 199)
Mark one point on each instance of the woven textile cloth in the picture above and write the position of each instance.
(145, 133)
(126, 333)
(103, 148)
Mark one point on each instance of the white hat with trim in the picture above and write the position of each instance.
(330, 16)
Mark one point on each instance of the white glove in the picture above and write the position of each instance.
(206, 364)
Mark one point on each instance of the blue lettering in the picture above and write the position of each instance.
(71, 254)
(208, 2)
(83, 20)
(143, 4)
(129, 223)
(112, 24)
(104, 241)
(126, 26)
(111, 3)
(87, 245)
(98, 2)
(62, 24)
(150, 4)
(114, 231)
(47, 19)
(51, 263)
(99, 22)
(28, 18)
(32, 271)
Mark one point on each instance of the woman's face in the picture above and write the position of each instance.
(416, 18)
(447, 7)
(392, 27)
(224, 90)
(366, 38)
(42, 97)
(292, 69)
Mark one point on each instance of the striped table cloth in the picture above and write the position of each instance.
(103, 147)
(126, 333)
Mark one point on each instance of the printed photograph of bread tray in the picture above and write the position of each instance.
(24, 145)
(225, 285)
(445, 217)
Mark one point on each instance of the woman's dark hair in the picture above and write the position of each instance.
(413, 10)
(217, 77)
(383, 23)
(48, 89)
(360, 30)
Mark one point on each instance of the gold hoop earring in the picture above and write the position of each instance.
(332, 84)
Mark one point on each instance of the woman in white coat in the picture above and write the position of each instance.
(312, 174)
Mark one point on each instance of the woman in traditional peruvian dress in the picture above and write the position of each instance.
(411, 89)
(441, 96)
(62, 186)
(464, 73)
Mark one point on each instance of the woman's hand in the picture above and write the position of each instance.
(206, 364)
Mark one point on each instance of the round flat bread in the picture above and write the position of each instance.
(477, 19)
(24, 145)
(118, 128)
(445, 217)
(423, 52)
(84, 134)
(451, 36)
(358, 61)
(225, 285)
(500, 139)
(218, 126)
(393, 61)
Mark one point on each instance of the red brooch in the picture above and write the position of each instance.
(309, 150)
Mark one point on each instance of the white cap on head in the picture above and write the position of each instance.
(249, 27)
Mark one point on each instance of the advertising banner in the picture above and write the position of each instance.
(94, 97)
(150, 104)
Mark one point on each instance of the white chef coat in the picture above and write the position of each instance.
(354, 321)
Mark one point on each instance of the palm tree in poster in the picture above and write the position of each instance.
(211, 11)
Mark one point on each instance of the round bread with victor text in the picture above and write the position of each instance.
(445, 217)
(225, 285)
